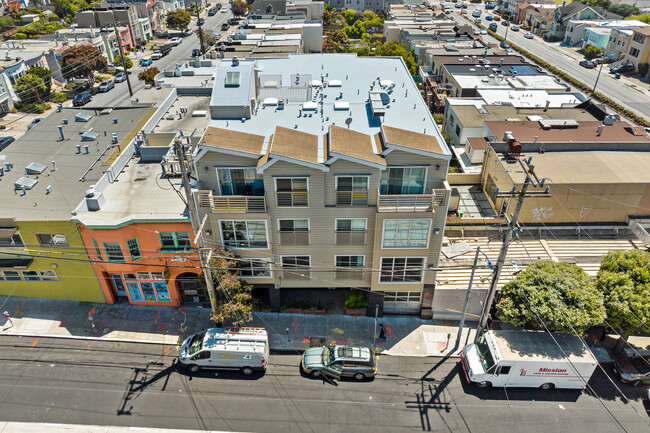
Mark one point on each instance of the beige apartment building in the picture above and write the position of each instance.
(325, 173)
(638, 46)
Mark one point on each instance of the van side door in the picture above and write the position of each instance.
(502, 372)
(203, 358)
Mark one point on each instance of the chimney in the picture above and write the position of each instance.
(235, 61)
(59, 107)
(600, 130)
(48, 189)
(53, 165)
(78, 148)
(548, 102)
(114, 137)
(86, 150)
(61, 133)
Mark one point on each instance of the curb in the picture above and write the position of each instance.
(82, 337)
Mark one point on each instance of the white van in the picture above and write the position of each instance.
(244, 349)
(528, 359)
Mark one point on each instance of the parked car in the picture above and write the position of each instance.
(504, 45)
(175, 41)
(514, 28)
(146, 61)
(463, 11)
(105, 86)
(212, 11)
(633, 369)
(529, 35)
(505, 23)
(457, 5)
(448, 11)
(339, 361)
(120, 77)
(216, 36)
(604, 60)
(156, 55)
(196, 52)
(476, 13)
(497, 18)
(483, 32)
(224, 10)
(476, 31)
(6, 141)
(493, 27)
(622, 68)
(35, 122)
(82, 99)
(587, 64)
(489, 17)
(224, 27)
(187, 32)
(201, 21)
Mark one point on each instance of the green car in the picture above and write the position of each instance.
(339, 361)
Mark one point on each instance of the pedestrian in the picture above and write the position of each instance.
(8, 318)
(382, 332)
(489, 322)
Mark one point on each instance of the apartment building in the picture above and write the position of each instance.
(323, 178)
(638, 46)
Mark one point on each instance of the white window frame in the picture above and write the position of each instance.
(308, 277)
(20, 277)
(383, 231)
(365, 222)
(424, 264)
(339, 175)
(424, 183)
(363, 256)
(275, 188)
(293, 219)
(216, 170)
(48, 275)
(263, 259)
(36, 277)
(266, 229)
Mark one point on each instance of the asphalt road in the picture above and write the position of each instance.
(126, 384)
(119, 96)
(627, 96)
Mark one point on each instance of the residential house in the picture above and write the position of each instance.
(638, 46)
(523, 11)
(576, 31)
(106, 17)
(44, 175)
(617, 43)
(574, 11)
(265, 36)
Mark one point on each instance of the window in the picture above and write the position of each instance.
(113, 251)
(406, 233)
(232, 79)
(351, 231)
(451, 120)
(11, 241)
(254, 268)
(504, 369)
(634, 52)
(244, 234)
(175, 241)
(401, 269)
(98, 251)
(346, 262)
(352, 190)
(296, 267)
(292, 192)
(49, 240)
(403, 180)
(638, 38)
(12, 276)
(134, 249)
(49, 276)
(31, 276)
(294, 231)
(240, 181)
(458, 130)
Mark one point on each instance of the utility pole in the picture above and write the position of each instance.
(531, 179)
(119, 43)
(597, 78)
(198, 21)
(197, 227)
(467, 295)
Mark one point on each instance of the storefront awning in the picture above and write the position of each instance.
(7, 232)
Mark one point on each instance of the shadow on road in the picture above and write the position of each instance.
(142, 379)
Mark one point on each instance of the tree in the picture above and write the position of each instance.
(80, 61)
(547, 285)
(392, 48)
(208, 39)
(350, 16)
(117, 61)
(234, 301)
(645, 18)
(30, 88)
(624, 10)
(178, 19)
(592, 52)
(148, 75)
(239, 8)
(356, 30)
(339, 36)
(45, 74)
(7, 22)
(624, 281)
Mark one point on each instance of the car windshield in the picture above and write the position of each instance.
(196, 343)
(484, 354)
(328, 354)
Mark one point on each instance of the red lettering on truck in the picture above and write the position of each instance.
(552, 370)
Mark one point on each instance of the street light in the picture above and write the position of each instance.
(469, 289)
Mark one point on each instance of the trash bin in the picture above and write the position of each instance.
(460, 212)
(617, 75)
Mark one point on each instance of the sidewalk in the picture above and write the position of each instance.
(405, 335)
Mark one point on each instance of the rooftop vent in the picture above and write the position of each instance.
(82, 117)
(558, 123)
(89, 136)
(310, 105)
(377, 104)
(270, 101)
(35, 168)
(341, 105)
(334, 83)
(25, 183)
(106, 111)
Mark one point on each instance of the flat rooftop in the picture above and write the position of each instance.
(138, 193)
(191, 123)
(531, 98)
(470, 115)
(42, 145)
(538, 345)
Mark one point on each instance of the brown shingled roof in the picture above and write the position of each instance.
(295, 144)
(477, 143)
(354, 144)
(410, 139)
(233, 140)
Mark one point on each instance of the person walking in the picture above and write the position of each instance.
(489, 322)
(8, 318)
(382, 332)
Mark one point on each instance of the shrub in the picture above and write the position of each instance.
(3, 126)
(356, 299)
(47, 106)
(58, 97)
(438, 118)
(592, 52)
(14, 110)
(148, 75)
(20, 36)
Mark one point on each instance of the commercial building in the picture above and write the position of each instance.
(44, 174)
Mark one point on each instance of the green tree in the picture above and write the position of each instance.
(592, 52)
(208, 39)
(624, 10)
(394, 49)
(117, 61)
(45, 74)
(239, 8)
(548, 285)
(7, 22)
(350, 16)
(624, 281)
(178, 19)
(234, 301)
(339, 36)
(645, 18)
(30, 88)
(356, 30)
(148, 75)
(80, 61)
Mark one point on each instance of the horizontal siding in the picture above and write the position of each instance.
(434, 176)
(208, 173)
(342, 166)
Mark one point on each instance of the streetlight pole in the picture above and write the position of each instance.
(119, 43)
(597, 78)
(467, 295)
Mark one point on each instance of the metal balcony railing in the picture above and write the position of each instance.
(352, 198)
(232, 203)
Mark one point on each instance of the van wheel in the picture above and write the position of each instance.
(359, 376)
(547, 386)
(484, 384)
(315, 373)
(247, 371)
(194, 368)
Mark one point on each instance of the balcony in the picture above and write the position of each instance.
(232, 203)
(412, 202)
(352, 198)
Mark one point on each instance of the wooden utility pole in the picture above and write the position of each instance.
(119, 43)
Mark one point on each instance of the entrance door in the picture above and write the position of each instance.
(118, 286)
(402, 302)
(191, 289)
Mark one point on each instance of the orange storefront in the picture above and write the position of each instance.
(145, 263)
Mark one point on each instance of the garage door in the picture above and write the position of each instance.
(402, 302)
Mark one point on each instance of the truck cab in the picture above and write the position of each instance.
(482, 366)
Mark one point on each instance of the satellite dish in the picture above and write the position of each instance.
(348, 121)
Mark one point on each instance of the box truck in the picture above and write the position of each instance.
(243, 349)
(528, 359)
